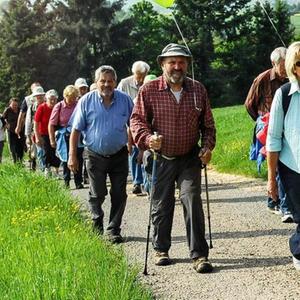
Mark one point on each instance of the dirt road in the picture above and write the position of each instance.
(250, 254)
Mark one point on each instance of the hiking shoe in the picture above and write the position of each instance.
(48, 172)
(137, 189)
(296, 263)
(67, 184)
(287, 218)
(162, 258)
(202, 265)
(79, 186)
(274, 210)
(115, 238)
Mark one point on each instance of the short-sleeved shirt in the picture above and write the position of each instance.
(61, 113)
(104, 128)
(180, 123)
(42, 117)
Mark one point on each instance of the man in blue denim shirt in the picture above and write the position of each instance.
(103, 117)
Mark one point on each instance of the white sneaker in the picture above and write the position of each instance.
(48, 172)
(296, 263)
(287, 218)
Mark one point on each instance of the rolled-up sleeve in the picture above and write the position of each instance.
(275, 130)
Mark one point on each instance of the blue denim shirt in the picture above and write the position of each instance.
(284, 132)
(104, 129)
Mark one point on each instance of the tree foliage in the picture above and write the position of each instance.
(55, 41)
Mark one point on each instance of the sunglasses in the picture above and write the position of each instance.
(297, 64)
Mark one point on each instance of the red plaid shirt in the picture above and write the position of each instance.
(156, 109)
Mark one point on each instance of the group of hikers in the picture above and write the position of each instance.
(96, 128)
(274, 101)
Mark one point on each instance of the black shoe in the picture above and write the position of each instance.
(137, 189)
(115, 238)
(79, 186)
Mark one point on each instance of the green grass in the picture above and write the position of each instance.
(234, 135)
(295, 20)
(47, 251)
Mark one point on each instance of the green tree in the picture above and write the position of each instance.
(148, 35)
(207, 26)
(24, 34)
(91, 35)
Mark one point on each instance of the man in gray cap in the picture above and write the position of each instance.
(177, 108)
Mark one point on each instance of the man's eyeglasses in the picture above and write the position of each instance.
(297, 63)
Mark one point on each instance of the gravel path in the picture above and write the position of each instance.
(250, 255)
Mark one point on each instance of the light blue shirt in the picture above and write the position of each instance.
(104, 128)
(284, 132)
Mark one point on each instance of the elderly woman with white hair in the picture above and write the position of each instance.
(41, 121)
(283, 143)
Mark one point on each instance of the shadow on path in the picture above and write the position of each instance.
(241, 263)
(223, 235)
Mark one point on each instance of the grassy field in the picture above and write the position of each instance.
(234, 134)
(47, 250)
(295, 19)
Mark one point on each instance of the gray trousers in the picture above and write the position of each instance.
(98, 168)
(186, 172)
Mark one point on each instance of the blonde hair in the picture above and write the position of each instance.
(292, 56)
(70, 91)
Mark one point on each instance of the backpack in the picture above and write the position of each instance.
(257, 149)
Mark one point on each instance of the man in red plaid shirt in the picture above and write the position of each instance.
(177, 108)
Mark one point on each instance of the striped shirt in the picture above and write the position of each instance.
(180, 124)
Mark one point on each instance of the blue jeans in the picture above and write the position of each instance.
(41, 157)
(136, 169)
(282, 203)
(291, 182)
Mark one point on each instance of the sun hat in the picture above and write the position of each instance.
(174, 50)
(80, 82)
(51, 93)
(38, 91)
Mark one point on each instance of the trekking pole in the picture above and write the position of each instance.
(208, 210)
(152, 189)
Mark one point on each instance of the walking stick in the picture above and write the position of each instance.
(208, 210)
(152, 189)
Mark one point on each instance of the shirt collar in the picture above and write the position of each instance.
(294, 87)
(134, 84)
(163, 85)
(66, 105)
(113, 98)
(274, 76)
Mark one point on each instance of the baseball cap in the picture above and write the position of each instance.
(38, 91)
(80, 82)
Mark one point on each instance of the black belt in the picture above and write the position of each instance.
(121, 151)
(193, 152)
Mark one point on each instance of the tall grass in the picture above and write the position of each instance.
(234, 135)
(48, 252)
